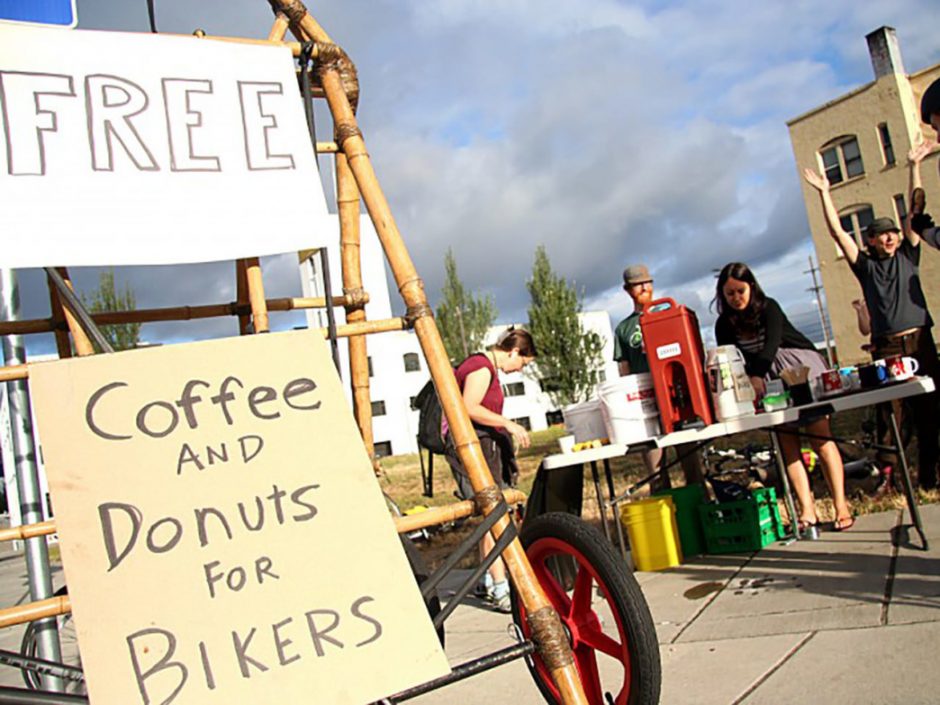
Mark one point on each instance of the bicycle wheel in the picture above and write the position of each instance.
(603, 611)
(68, 642)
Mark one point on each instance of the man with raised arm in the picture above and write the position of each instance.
(889, 274)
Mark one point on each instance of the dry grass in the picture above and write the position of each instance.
(401, 478)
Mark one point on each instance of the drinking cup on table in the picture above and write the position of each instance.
(849, 377)
(830, 382)
(872, 374)
(800, 394)
(899, 367)
(566, 443)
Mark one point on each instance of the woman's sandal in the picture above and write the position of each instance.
(843, 523)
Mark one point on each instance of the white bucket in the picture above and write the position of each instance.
(629, 406)
(585, 421)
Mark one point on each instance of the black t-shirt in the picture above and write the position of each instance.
(774, 331)
(892, 290)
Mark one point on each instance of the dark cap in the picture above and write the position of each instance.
(636, 274)
(881, 225)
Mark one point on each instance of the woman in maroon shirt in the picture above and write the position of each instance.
(483, 396)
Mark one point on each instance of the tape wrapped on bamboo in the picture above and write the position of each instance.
(451, 512)
(410, 285)
(31, 611)
(27, 531)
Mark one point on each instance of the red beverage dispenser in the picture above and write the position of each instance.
(676, 356)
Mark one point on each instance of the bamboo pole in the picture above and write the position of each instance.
(347, 203)
(62, 342)
(27, 531)
(241, 296)
(293, 46)
(387, 325)
(279, 28)
(176, 313)
(259, 309)
(451, 512)
(10, 372)
(546, 626)
(31, 611)
(82, 344)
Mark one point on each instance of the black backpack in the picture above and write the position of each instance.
(429, 418)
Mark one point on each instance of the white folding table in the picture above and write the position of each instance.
(772, 421)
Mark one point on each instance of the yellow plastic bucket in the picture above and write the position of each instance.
(654, 535)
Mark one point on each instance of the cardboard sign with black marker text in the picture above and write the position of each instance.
(223, 536)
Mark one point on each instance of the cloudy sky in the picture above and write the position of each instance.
(611, 132)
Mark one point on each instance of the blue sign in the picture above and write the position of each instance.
(58, 12)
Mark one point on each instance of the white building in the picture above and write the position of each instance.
(397, 368)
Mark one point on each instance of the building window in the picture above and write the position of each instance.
(554, 417)
(886, 148)
(412, 362)
(378, 408)
(601, 376)
(369, 360)
(514, 389)
(524, 422)
(900, 207)
(855, 220)
(411, 402)
(383, 449)
(842, 158)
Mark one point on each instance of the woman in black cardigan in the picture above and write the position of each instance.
(759, 328)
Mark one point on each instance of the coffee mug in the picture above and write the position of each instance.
(830, 382)
(900, 367)
(872, 374)
(849, 376)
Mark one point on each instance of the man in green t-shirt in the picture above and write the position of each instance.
(628, 339)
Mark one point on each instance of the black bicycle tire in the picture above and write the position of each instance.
(29, 648)
(623, 595)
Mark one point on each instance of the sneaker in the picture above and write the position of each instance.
(498, 597)
(502, 604)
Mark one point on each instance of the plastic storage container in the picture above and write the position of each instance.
(687, 500)
(748, 525)
(654, 536)
(629, 408)
(732, 392)
(585, 421)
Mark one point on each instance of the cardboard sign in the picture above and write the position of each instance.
(223, 536)
(150, 149)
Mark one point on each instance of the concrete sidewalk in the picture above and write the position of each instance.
(850, 618)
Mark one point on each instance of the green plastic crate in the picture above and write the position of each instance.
(748, 525)
(687, 501)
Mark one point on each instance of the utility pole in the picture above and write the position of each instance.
(816, 288)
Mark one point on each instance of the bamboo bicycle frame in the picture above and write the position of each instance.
(355, 181)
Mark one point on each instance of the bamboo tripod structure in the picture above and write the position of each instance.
(356, 182)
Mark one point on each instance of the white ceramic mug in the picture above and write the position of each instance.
(900, 367)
